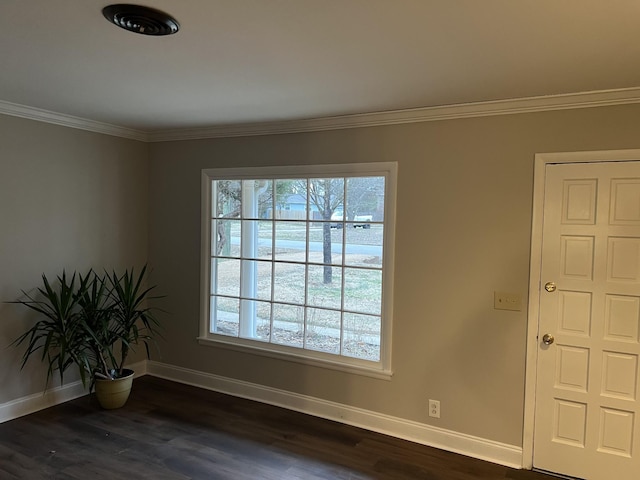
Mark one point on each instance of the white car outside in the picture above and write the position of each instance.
(363, 221)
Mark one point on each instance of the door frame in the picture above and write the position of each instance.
(541, 162)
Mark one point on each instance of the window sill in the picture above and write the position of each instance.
(254, 349)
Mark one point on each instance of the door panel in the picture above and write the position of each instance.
(586, 413)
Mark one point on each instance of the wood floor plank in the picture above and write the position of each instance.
(169, 431)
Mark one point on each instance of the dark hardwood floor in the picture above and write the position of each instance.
(173, 431)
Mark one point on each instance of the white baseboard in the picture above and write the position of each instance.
(489, 450)
(53, 396)
(41, 400)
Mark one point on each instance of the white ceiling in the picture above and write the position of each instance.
(243, 61)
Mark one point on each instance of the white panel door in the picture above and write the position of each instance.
(587, 408)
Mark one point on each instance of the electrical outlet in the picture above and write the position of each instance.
(434, 408)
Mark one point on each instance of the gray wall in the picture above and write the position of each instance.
(73, 199)
(463, 231)
(69, 199)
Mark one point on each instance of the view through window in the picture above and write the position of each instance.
(299, 263)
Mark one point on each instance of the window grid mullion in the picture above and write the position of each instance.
(242, 259)
(342, 264)
(245, 292)
(273, 250)
(307, 246)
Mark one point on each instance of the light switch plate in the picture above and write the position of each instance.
(507, 301)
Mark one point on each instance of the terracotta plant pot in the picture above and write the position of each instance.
(114, 393)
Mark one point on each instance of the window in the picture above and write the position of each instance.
(297, 262)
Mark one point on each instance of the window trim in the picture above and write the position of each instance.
(381, 369)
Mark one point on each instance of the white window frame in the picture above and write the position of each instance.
(381, 369)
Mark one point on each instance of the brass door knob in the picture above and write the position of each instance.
(548, 339)
(550, 287)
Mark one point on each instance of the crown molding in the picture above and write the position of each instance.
(40, 115)
(600, 98)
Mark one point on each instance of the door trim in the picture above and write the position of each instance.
(541, 162)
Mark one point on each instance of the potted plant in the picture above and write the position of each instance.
(92, 322)
(130, 321)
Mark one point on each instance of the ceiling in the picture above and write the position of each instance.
(247, 61)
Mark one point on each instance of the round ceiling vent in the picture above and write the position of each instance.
(139, 19)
